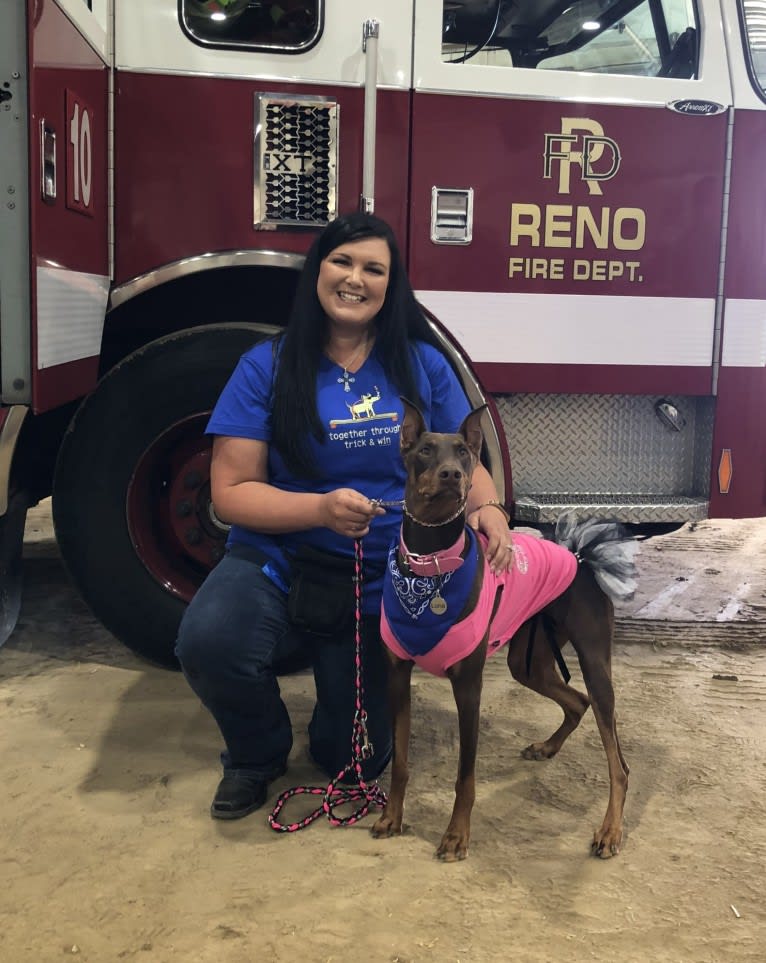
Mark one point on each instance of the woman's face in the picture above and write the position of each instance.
(353, 280)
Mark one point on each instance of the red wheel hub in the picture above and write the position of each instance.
(169, 512)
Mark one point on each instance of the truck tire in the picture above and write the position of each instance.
(131, 489)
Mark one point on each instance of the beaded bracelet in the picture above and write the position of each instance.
(496, 505)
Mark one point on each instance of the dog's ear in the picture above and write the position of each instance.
(471, 430)
(413, 426)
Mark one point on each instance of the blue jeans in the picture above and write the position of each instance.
(232, 640)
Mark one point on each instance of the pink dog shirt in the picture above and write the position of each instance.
(541, 571)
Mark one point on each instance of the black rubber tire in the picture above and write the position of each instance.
(159, 385)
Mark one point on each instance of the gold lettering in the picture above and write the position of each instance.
(564, 226)
(599, 234)
(537, 267)
(558, 225)
(581, 270)
(568, 126)
(625, 215)
(525, 228)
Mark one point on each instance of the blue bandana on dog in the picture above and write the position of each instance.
(407, 598)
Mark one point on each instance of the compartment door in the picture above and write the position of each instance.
(69, 250)
(587, 140)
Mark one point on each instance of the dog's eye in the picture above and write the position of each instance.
(462, 450)
(424, 450)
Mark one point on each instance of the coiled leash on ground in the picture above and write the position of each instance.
(335, 795)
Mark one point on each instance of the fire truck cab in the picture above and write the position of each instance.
(578, 188)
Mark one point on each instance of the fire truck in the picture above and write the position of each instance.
(578, 187)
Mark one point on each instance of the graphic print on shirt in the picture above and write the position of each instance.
(363, 409)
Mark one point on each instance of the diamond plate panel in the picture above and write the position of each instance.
(296, 163)
(608, 454)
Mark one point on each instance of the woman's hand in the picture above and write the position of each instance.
(242, 495)
(490, 521)
(348, 512)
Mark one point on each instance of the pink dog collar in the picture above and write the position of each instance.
(439, 563)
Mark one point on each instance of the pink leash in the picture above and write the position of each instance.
(334, 796)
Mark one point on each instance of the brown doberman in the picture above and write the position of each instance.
(436, 549)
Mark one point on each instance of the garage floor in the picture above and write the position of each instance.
(109, 765)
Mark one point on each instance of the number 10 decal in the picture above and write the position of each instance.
(79, 155)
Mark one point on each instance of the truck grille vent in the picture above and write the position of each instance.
(296, 145)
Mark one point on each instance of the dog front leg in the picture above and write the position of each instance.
(399, 674)
(466, 678)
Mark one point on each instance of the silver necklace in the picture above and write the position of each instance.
(347, 379)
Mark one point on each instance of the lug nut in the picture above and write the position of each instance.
(192, 479)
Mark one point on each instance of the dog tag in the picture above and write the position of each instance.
(438, 606)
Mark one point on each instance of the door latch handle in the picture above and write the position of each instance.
(47, 162)
(451, 215)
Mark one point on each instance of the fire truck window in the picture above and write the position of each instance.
(282, 25)
(755, 26)
(647, 38)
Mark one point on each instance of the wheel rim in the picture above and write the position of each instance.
(169, 511)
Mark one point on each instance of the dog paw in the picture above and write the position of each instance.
(538, 751)
(606, 844)
(452, 848)
(386, 827)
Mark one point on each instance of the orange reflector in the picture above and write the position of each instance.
(725, 471)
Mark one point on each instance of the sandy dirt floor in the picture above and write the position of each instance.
(109, 765)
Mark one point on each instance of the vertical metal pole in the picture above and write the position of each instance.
(111, 60)
(370, 34)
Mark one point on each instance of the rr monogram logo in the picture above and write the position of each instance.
(582, 142)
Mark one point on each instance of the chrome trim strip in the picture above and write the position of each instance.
(211, 75)
(203, 262)
(724, 235)
(9, 435)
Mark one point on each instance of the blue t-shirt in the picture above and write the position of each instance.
(361, 450)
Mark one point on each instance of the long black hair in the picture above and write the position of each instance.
(398, 323)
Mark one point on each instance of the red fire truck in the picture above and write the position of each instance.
(578, 186)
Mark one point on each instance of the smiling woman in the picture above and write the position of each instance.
(304, 458)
